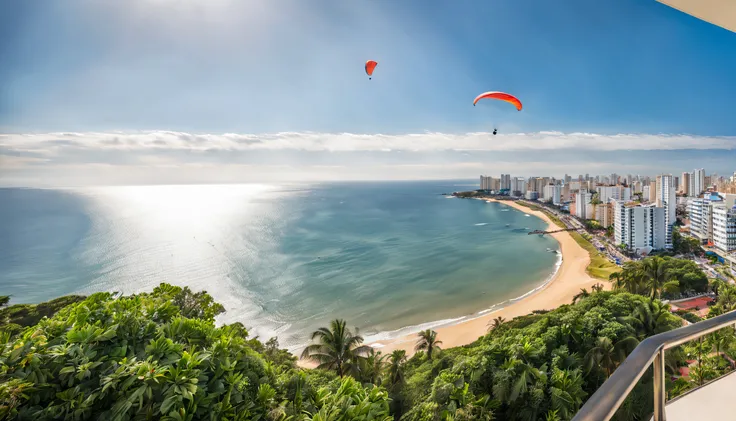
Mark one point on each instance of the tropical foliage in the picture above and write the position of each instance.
(428, 342)
(159, 355)
(540, 366)
(657, 277)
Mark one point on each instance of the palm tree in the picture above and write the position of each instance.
(495, 323)
(720, 339)
(606, 355)
(598, 287)
(628, 279)
(648, 318)
(372, 366)
(396, 366)
(566, 392)
(654, 272)
(337, 348)
(580, 295)
(428, 341)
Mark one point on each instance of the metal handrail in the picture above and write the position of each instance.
(608, 398)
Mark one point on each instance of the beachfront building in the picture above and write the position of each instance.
(685, 184)
(724, 227)
(490, 183)
(604, 214)
(506, 182)
(665, 198)
(531, 195)
(553, 193)
(608, 193)
(518, 186)
(485, 182)
(583, 207)
(639, 227)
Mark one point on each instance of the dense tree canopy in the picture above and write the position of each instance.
(159, 355)
(537, 367)
(661, 277)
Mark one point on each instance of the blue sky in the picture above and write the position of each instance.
(263, 68)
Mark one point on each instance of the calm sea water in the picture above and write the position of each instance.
(388, 257)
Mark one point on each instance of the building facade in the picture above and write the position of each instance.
(604, 214)
(506, 181)
(553, 193)
(583, 208)
(685, 184)
(666, 198)
(724, 227)
(639, 227)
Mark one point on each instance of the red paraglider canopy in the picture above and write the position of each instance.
(500, 96)
(370, 65)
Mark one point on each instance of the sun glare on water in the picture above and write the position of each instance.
(185, 235)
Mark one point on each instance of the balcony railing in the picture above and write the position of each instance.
(609, 397)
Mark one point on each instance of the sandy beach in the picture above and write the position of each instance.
(567, 282)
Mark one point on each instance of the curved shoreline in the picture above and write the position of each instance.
(567, 281)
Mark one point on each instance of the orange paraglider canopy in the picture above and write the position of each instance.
(500, 96)
(369, 66)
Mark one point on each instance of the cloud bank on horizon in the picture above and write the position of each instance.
(170, 157)
(86, 86)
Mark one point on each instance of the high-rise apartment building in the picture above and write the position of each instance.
(553, 193)
(506, 181)
(606, 193)
(639, 227)
(583, 207)
(724, 227)
(666, 198)
(697, 182)
(685, 184)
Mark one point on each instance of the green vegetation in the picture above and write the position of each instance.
(15, 318)
(593, 225)
(685, 245)
(428, 342)
(468, 194)
(600, 267)
(159, 356)
(536, 367)
(660, 276)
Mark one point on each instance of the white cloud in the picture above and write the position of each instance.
(151, 142)
(155, 157)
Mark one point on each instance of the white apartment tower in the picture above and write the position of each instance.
(697, 182)
(506, 181)
(640, 227)
(724, 227)
(583, 208)
(552, 193)
(665, 198)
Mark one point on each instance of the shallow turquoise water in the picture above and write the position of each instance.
(282, 259)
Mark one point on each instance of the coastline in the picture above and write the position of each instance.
(567, 281)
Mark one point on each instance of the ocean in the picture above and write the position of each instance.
(389, 257)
